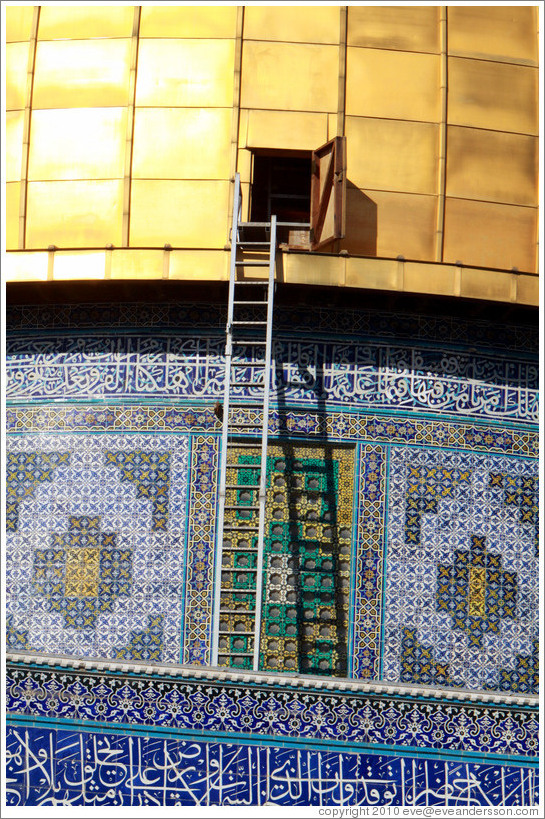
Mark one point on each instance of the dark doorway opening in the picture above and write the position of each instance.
(281, 186)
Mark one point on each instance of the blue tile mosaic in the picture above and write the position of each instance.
(130, 770)
(374, 374)
(366, 323)
(96, 557)
(112, 506)
(265, 710)
(461, 593)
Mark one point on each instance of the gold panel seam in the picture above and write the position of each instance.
(26, 127)
(491, 202)
(442, 159)
(129, 143)
(341, 106)
(235, 121)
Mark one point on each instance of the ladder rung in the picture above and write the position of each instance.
(241, 425)
(252, 302)
(237, 591)
(261, 282)
(244, 243)
(254, 224)
(246, 323)
(246, 508)
(240, 529)
(246, 383)
(239, 549)
(242, 633)
(237, 611)
(252, 262)
(238, 569)
(248, 341)
(242, 486)
(230, 654)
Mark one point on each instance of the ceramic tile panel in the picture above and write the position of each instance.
(115, 769)
(96, 544)
(461, 605)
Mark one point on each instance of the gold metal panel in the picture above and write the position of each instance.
(25, 267)
(16, 75)
(380, 223)
(394, 84)
(528, 290)
(436, 279)
(304, 268)
(74, 214)
(82, 73)
(196, 73)
(392, 155)
(288, 130)
(301, 24)
(492, 165)
(486, 234)
(244, 166)
(199, 265)
(78, 143)
(492, 95)
(13, 194)
(289, 77)
(376, 274)
(179, 213)
(78, 21)
(188, 21)
(80, 265)
(137, 264)
(408, 28)
(506, 33)
(332, 126)
(15, 121)
(245, 191)
(182, 143)
(18, 23)
(491, 285)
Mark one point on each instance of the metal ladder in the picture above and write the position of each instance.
(243, 334)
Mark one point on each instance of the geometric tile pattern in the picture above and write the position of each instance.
(425, 487)
(368, 578)
(522, 493)
(202, 316)
(341, 426)
(25, 471)
(200, 550)
(82, 572)
(272, 712)
(524, 676)
(461, 604)
(154, 771)
(150, 473)
(144, 644)
(97, 558)
(16, 638)
(308, 540)
(476, 592)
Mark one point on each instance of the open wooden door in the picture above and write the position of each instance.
(328, 193)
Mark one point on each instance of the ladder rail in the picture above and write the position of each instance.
(264, 440)
(231, 427)
(225, 422)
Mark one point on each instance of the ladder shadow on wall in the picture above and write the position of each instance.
(332, 640)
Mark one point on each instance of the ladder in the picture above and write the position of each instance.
(237, 611)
